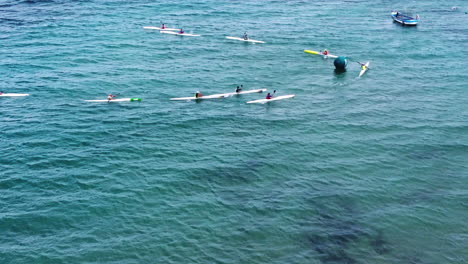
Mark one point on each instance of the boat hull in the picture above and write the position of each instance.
(403, 19)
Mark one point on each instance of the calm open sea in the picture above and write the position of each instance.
(351, 170)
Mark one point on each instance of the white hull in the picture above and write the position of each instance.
(263, 101)
(116, 100)
(365, 69)
(177, 33)
(245, 92)
(214, 96)
(158, 28)
(246, 40)
(13, 94)
(217, 96)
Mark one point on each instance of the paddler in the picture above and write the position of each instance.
(245, 37)
(325, 52)
(181, 31)
(268, 96)
(163, 26)
(238, 89)
(198, 94)
(363, 65)
(110, 97)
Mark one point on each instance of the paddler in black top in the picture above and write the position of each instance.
(198, 94)
(238, 89)
(245, 36)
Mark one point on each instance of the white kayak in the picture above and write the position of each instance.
(13, 94)
(216, 96)
(245, 92)
(213, 96)
(364, 68)
(246, 40)
(179, 34)
(262, 101)
(116, 100)
(158, 28)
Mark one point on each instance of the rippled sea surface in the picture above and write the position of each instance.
(351, 170)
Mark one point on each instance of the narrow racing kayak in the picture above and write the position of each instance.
(179, 34)
(158, 28)
(321, 54)
(262, 101)
(217, 96)
(245, 92)
(117, 100)
(364, 68)
(13, 94)
(213, 96)
(246, 40)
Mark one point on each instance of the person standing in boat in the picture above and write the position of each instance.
(198, 94)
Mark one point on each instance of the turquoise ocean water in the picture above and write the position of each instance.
(369, 170)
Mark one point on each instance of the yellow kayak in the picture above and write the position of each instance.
(321, 54)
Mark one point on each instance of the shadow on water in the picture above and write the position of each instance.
(379, 244)
(339, 73)
(426, 153)
(340, 228)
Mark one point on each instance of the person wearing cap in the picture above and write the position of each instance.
(198, 94)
